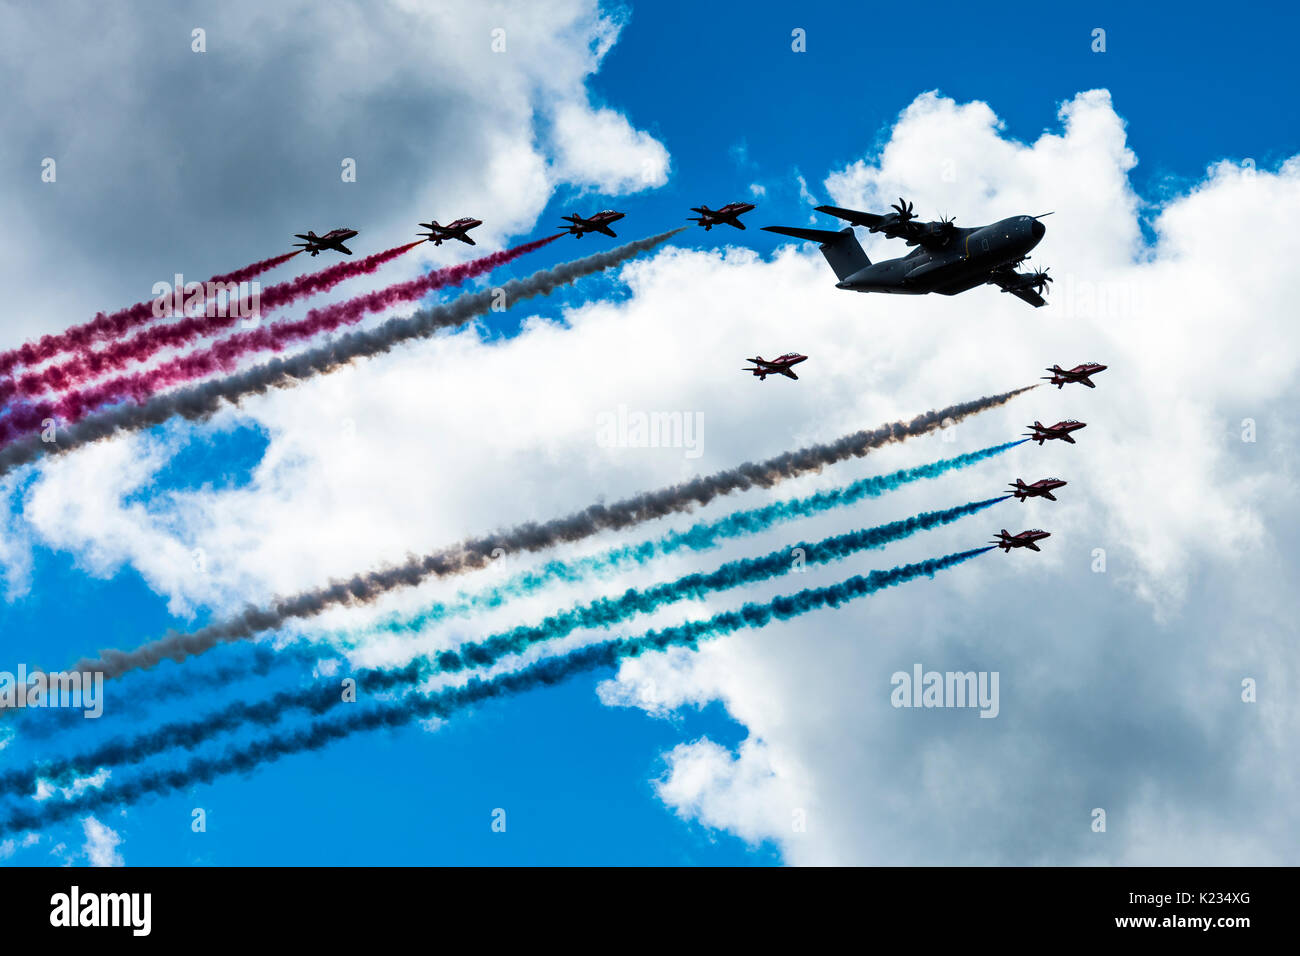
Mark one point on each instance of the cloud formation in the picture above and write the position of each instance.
(1122, 647)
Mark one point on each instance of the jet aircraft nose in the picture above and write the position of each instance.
(1037, 230)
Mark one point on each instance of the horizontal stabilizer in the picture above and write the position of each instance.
(841, 249)
(816, 235)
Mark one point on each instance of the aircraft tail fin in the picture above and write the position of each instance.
(841, 249)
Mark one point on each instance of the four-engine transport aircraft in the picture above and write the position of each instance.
(1082, 374)
(579, 227)
(947, 259)
(453, 230)
(730, 214)
(1060, 431)
(1006, 541)
(333, 239)
(781, 365)
(1042, 488)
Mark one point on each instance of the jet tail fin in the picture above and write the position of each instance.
(841, 249)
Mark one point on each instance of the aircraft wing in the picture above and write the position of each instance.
(343, 249)
(789, 373)
(606, 230)
(1025, 295)
(930, 235)
(867, 219)
(467, 239)
(734, 222)
(1033, 547)
(1030, 296)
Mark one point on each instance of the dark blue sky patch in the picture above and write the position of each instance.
(217, 460)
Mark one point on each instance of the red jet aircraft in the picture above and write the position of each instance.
(579, 227)
(1039, 489)
(1006, 541)
(1061, 377)
(453, 230)
(333, 239)
(1060, 431)
(730, 214)
(777, 366)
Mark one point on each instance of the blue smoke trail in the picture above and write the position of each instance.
(699, 537)
(602, 612)
(259, 661)
(446, 702)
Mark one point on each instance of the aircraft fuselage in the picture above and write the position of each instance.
(965, 262)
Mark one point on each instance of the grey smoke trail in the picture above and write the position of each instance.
(201, 401)
(476, 553)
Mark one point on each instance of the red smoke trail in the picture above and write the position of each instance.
(256, 269)
(105, 326)
(89, 365)
(223, 356)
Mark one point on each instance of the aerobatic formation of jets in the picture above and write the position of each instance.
(947, 259)
(781, 365)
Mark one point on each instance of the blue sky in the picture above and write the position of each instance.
(718, 85)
